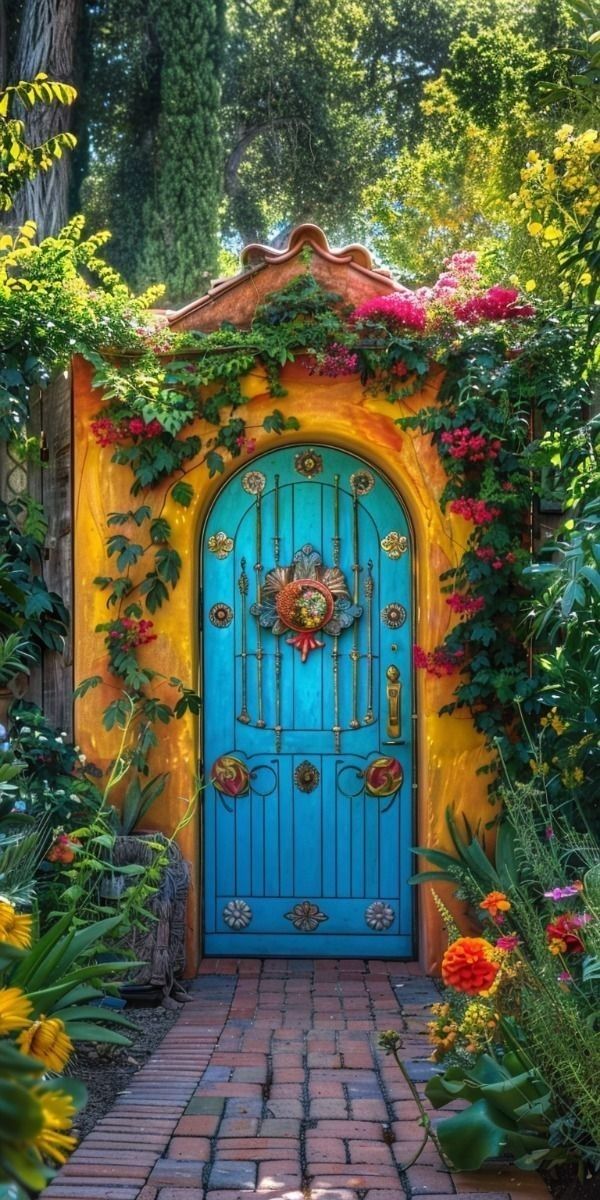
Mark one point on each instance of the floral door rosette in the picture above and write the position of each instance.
(304, 599)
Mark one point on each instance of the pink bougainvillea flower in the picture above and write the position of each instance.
(465, 604)
(437, 662)
(497, 304)
(473, 447)
(396, 311)
(339, 360)
(475, 510)
(246, 443)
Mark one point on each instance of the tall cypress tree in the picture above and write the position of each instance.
(180, 214)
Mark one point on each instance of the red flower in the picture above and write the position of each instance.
(467, 966)
(106, 432)
(465, 604)
(475, 510)
(397, 311)
(129, 634)
(437, 662)
(62, 849)
(473, 447)
(562, 936)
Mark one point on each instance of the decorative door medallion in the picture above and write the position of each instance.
(307, 629)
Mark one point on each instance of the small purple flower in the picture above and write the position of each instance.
(562, 893)
(548, 833)
(565, 977)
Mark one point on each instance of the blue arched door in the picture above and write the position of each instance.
(308, 729)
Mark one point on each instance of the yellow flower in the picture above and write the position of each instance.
(589, 135)
(535, 228)
(58, 1111)
(585, 279)
(15, 928)
(563, 133)
(530, 285)
(47, 1041)
(15, 1008)
(552, 233)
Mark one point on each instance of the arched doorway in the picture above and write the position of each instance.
(308, 719)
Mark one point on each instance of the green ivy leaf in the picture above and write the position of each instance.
(160, 530)
(168, 565)
(155, 591)
(182, 493)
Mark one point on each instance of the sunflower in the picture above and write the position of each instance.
(15, 928)
(46, 1040)
(58, 1111)
(14, 1010)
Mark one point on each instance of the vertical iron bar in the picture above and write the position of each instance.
(278, 726)
(260, 722)
(354, 655)
(276, 539)
(369, 589)
(244, 715)
(337, 730)
(336, 521)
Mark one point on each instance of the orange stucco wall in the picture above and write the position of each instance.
(338, 412)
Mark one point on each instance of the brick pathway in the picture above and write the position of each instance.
(271, 1085)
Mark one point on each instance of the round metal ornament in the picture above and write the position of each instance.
(221, 615)
(393, 615)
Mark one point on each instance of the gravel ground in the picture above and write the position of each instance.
(106, 1069)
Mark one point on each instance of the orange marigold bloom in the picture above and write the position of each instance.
(495, 902)
(468, 966)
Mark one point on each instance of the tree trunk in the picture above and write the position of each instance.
(46, 42)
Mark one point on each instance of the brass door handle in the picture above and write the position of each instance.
(394, 695)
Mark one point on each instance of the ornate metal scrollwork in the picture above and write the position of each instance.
(306, 776)
(395, 544)
(379, 916)
(308, 463)
(306, 916)
(230, 776)
(220, 544)
(237, 914)
(362, 482)
(254, 482)
(305, 599)
(221, 615)
(384, 776)
(393, 615)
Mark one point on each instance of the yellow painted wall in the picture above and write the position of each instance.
(335, 411)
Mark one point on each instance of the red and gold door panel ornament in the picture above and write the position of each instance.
(384, 776)
(230, 776)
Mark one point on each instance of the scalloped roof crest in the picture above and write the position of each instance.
(220, 303)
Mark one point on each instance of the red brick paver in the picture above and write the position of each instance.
(271, 1084)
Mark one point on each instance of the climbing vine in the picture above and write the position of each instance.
(510, 408)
